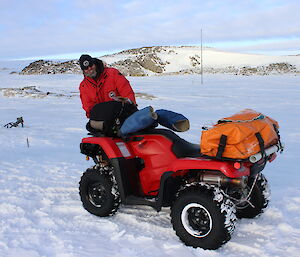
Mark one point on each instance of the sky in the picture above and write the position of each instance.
(67, 28)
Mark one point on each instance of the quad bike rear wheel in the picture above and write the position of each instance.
(98, 193)
(203, 218)
(258, 199)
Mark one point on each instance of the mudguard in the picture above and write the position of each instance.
(227, 168)
(108, 145)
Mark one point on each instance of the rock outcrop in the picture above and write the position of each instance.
(51, 67)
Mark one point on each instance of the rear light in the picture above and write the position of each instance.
(237, 165)
(272, 157)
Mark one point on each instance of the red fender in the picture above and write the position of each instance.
(227, 168)
(108, 145)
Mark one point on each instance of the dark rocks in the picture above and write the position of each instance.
(129, 67)
(51, 67)
(33, 92)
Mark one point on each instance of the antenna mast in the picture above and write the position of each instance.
(201, 60)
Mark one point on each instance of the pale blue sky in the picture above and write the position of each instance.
(67, 28)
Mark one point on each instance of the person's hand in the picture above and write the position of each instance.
(122, 99)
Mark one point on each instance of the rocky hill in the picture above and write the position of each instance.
(168, 60)
(51, 67)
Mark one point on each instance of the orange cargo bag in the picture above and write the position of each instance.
(239, 136)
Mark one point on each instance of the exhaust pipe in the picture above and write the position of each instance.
(217, 179)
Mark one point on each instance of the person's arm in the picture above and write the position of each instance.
(87, 102)
(124, 87)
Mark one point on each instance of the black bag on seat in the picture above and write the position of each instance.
(112, 115)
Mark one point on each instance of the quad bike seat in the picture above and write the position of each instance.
(181, 148)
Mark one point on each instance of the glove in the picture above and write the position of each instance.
(122, 99)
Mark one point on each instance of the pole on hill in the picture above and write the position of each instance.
(201, 60)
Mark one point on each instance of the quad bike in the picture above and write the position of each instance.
(158, 168)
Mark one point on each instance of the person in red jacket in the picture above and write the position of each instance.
(102, 84)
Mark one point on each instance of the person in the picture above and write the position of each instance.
(110, 105)
(102, 84)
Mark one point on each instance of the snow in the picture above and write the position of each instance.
(40, 209)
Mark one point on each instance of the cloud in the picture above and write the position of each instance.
(35, 28)
(275, 46)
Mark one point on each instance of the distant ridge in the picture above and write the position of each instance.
(173, 60)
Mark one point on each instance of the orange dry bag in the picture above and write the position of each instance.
(239, 136)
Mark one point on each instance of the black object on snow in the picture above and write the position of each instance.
(15, 124)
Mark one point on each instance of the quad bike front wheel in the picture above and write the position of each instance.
(203, 218)
(258, 199)
(98, 193)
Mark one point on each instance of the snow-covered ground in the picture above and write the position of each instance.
(40, 167)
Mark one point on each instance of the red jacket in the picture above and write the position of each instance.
(109, 84)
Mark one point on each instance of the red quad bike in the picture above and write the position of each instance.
(159, 169)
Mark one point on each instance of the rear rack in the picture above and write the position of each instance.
(268, 151)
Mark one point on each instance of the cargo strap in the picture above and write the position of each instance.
(259, 117)
(222, 145)
(279, 141)
(261, 144)
(223, 141)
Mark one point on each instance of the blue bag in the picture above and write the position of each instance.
(139, 120)
(173, 120)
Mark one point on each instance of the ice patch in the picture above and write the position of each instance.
(75, 129)
(283, 227)
(7, 209)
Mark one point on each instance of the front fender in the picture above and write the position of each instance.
(107, 144)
